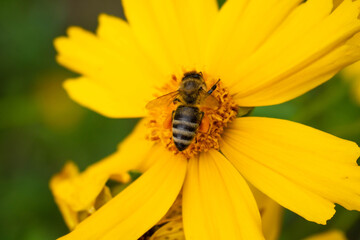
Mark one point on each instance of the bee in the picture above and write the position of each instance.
(190, 98)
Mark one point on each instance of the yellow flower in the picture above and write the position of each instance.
(264, 53)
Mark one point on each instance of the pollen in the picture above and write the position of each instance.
(206, 138)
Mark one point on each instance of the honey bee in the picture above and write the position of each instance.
(190, 98)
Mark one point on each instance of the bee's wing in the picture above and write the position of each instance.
(162, 101)
(208, 101)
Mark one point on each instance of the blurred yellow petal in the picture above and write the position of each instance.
(110, 64)
(73, 217)
(329, 235)
(356, 90)
(140, 206)
(271, 214)
(352, 71)
(303, 169)
(80, 191)
(69, 171)
(217, 202)
(352, 74)
(306, 49)
(48, 93)
(171, 32)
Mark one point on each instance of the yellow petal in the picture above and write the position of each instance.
(329, 235)
(310, 45)
(110, 64)
(140, 206)
(80, 191)
(271, 214)
(239, 29)
(171, 32)
(197, 19)
(303, 169)
(69, 171)
(99, 99)
(306, 79)
(217, 202)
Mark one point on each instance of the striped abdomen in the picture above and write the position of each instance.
(184, 125)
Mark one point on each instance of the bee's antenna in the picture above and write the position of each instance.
(213, 87)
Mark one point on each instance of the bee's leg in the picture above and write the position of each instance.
(213, 88)
(168, 121)
(205, 124)
(202, 116)
(176, 100)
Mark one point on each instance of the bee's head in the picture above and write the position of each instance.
(193, 74)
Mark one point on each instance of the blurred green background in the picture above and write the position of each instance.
(40, 128)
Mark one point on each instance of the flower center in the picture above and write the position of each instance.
(190, 119)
